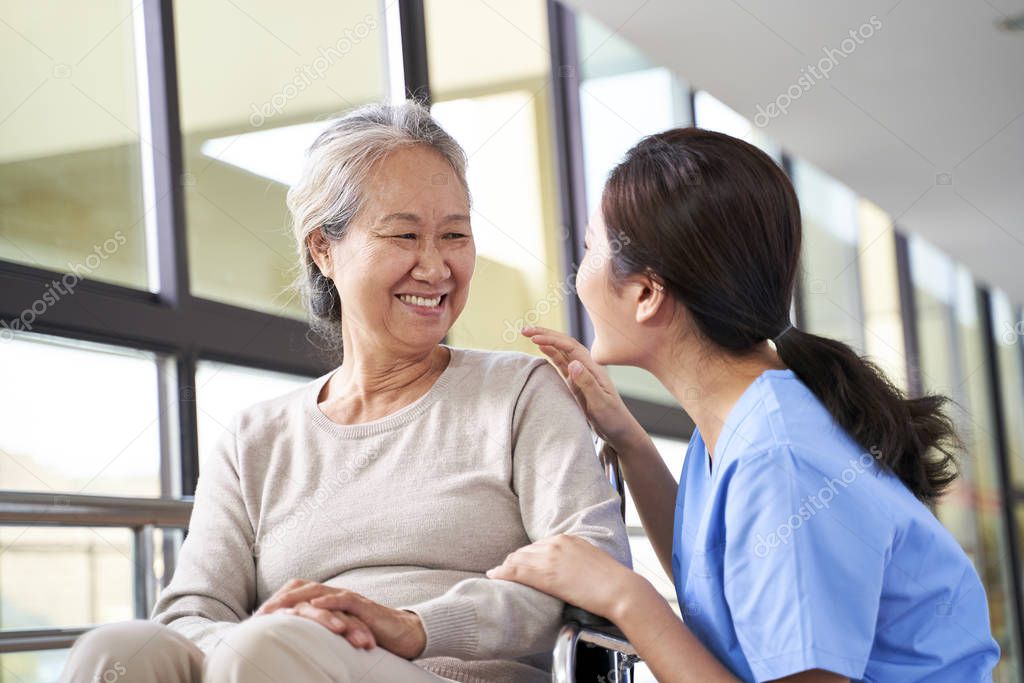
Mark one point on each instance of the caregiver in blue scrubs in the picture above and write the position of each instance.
(799, 538)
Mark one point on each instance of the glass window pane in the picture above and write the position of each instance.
(499, 109)
(933, 275)
(70, 163)
(222, 390)
(880, 292)
(638, 383)
(62, 577)
(831, 279)
(646, 564)
(713, 114)
(247, 122)
(78, 418)
(469, 45)
(673, 452)
(623, 97)
(37, 666)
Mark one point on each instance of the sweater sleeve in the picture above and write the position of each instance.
(561, 489)
(214, 583)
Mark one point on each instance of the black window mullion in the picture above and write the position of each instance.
(167, 164)
(188, 425)
(908, 314)
(413, 25)
(568, 133)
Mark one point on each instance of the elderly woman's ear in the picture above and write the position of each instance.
(320, 251)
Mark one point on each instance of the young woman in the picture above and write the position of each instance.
(798, 538)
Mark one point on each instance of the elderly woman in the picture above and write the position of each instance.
(342, 532)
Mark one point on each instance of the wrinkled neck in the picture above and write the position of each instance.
(369, 386)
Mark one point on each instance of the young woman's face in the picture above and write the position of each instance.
(616, 332)
(404, 267)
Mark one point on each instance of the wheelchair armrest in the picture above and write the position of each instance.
(583, 617)
(594, 626)
(564, 657)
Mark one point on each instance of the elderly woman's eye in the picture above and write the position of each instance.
(406, 236)
(455, 235)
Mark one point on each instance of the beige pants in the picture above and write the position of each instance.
(266, 649)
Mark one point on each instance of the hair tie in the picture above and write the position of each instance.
(772, 340)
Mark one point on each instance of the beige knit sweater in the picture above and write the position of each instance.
(409, 510)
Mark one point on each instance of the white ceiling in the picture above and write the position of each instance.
(925, 117)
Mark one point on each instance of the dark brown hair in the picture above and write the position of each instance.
(717, 222)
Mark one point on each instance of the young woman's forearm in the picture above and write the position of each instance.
(654, 492)
(666, 645)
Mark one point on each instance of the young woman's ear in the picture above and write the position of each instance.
(319, 250)
(651, 298)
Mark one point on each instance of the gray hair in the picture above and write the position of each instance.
(330, 192)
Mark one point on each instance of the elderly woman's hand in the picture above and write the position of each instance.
(362, 621)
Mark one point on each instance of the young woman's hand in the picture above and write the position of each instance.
(574, 571)
(590, 384)
(363, 622)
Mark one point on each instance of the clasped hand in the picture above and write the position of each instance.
(361, 621)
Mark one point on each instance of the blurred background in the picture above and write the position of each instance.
(146, 148)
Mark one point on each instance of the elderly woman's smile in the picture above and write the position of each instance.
(428, 304)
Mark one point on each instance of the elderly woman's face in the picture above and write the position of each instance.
(403, 269)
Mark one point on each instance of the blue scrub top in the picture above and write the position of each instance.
(796, 551)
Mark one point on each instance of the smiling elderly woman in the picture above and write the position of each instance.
(345, 529)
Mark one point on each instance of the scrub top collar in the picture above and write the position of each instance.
(733, 425)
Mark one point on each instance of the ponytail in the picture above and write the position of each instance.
(913, 437)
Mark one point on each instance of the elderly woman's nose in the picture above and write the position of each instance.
(431, 265)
